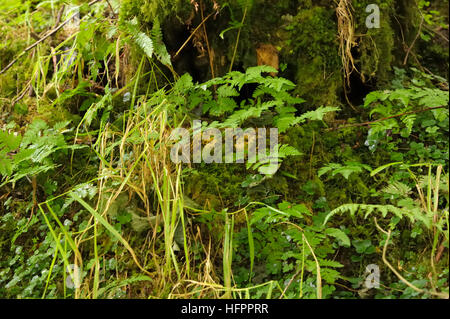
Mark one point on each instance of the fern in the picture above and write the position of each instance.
(338, 234)
(283, 122)
(160, 49)
(344, 170)
(279, 84)
(36, 150)
(271, 103)
(240, 116)
(403, 110)
(409, 121)
(227, 91)
(264, 90)
(254, 72)
(151, 45)
(397, 188)
(317, 115)
(413, 214)
(8, 143)
(223, 106)
(141, 39)
(267, 165)
(273, 91)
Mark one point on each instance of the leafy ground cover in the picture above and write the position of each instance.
(92, 206)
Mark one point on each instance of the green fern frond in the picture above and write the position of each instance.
(317, 115)
(409, 121)
(160, 49)
(141, 39)
(397, 188)
(279, 84)
(413, 215)
(227, 91)
(286, 121)
(330, 263)
(254, 72)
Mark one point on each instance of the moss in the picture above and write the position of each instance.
(148, 10)
(432, 47)
(215, 186)
(306, 33)
(375, 51)
(329, 147)
(381, 49)
(312, 51)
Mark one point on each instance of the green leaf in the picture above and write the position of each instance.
(227, 91)
(9, 141)
(284, 122)
(363, 246)
(141, 39)
(318, 114)
(5, 167)
(373, 96)
(383, 167)
(324, 170)
(160, 49)
(287, 150)
(339, 234)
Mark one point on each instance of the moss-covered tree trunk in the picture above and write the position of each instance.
(325, 46)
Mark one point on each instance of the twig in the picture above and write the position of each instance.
(414, 42)
(436, 32)
(211, 64)
(290, 282)
(386, 118)
(22, 94)
(347, 99)
(60, 12)
(42, 39)
(111, 8)
(318, 275)
(386, 262)
(237, 40)
(192, 34)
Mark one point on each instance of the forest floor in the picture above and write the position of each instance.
(192, 150)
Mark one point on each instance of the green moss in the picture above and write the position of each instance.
(374, 54)
(148, 10)
(313, 52)
(215, 185)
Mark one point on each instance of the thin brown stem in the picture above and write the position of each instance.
(192, 34)
(386, 118)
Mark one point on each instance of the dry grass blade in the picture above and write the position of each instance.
(346, 32)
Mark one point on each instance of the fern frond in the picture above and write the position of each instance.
(254, 72)
(227, 91)
(285, 121)
(160, 49)
(409, 120)
(397, 188)
(141, 39)
(413, 215)
(317, 115)
(330, 263)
